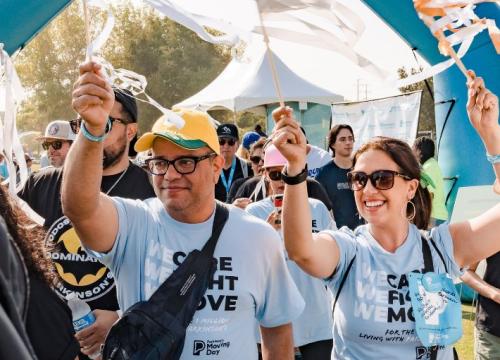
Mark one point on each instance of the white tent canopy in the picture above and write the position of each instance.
(246, 83)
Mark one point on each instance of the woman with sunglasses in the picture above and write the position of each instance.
(312, 329)
(373, 317)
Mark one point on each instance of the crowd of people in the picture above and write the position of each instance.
(307, 229)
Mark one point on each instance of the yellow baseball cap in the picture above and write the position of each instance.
(198, 131)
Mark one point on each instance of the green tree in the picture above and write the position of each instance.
(176, 63)
(426, 119)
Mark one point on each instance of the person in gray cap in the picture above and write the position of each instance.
(56, 141)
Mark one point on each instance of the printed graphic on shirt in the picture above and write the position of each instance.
(79, 272)
(220, 299)
(382, 297)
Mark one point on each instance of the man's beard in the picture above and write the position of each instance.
(111, 157)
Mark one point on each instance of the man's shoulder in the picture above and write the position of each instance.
(48, 173)
(261, 205)
(43, 178)
(244, 220)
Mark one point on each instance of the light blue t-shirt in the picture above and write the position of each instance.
(315, 322)
(251, 282)
(373, 318)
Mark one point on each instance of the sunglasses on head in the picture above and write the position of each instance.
(56, 145)
(223, 142)
(380, 179)
(255, 159)
(274, 175)
(76, 123)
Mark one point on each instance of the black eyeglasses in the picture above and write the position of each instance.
(255, 159)
(183, 165)
(76, 123)
(56, 145)
(380, 179)
(223, 142)
(275, 175)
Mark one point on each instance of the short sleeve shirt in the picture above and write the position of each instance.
(315, 323)
(251, 282)
(373, 318)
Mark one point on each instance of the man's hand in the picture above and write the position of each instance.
(242, 203)
(289, 140)
(93, 97)
(92, 337)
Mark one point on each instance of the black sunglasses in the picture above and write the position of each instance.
(56, 145)
(380, 179)
(255, 159)
(183, 165)
(223, 142)
(76, 123)
(274, 175)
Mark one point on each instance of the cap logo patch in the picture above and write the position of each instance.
(226, 130)
(54, 129)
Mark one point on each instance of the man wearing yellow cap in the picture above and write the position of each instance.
(142, 242)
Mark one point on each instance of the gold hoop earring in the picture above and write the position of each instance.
(414, 213)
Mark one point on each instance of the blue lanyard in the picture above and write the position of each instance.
(227, 183)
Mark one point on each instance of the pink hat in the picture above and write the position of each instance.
(272, 157)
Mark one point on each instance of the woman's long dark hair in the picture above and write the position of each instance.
(401, 153)
(28, 237)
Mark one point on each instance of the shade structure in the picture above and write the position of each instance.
(247, 82)
(20, 21)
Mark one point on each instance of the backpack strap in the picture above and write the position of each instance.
(428, 267)
(342, 282)
(220, 218)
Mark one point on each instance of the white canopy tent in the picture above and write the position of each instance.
(247, 83)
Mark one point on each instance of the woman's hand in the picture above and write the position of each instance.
(482, 109)
(289, 140)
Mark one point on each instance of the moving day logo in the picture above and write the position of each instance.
(79, 272)
(209, 347)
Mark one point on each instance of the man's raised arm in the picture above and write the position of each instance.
(92, 213)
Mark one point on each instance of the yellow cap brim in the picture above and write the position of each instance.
(145, 142)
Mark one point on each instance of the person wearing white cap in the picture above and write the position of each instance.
(57, 140)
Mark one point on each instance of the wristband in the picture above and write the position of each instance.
(493, 159)
(294, 180)
(94, 138)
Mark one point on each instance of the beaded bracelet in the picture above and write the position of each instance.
(94, 138)
(493, 159)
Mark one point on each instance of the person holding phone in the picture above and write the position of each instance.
(312, 330)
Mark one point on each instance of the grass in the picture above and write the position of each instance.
(465, 347)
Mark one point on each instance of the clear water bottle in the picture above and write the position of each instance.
(82, 315)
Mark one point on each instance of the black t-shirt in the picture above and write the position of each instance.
(49, 323)
(334, 180)
(80, 273)
(488, 311)
(247, 190)
(221, 193)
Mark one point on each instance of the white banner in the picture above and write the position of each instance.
(395, 116)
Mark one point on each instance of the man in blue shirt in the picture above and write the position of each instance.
(142, 242)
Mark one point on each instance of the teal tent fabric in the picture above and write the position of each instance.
(21, 20)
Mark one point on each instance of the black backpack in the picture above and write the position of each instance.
(155, 329)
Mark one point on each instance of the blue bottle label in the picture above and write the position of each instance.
(83, 322)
